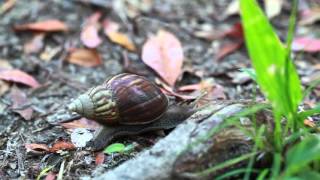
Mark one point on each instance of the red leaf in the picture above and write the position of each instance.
(100, 158)
(36, 147)
(235, 32)
(89, 34)
(61, 145)
(228, 49)
(51, 176)
(306, 44)
(81, 123)
(16, 75)
(19, 99)
(164, 54)
(51, 25)
(85, 57)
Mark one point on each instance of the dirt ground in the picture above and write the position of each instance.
(61, 80)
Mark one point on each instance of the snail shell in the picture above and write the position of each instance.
(124, 99)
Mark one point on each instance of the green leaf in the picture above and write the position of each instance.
(302, 154)
(276, 76)
(114, 148)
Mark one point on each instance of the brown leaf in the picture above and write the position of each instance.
(100, 158)
(81, 123)
(35, 45)
(36, 147)
(19, 99)
(85, 57)
(89, 35)
(61, 145)
(310, 16)
(51, 25)
(164, 54)
(228, 49)
(4, 87)
(111, 31)
(51, 176)
(16, 75)
(211, 89)
(7, 6)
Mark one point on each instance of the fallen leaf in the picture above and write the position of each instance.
(111, 31)
(4, 64)
(235, 32)
(169, 91)
(310, 16)
(228, 49)
(164, 54)
(16, 75)
(51, 176)
(99, 158)
(39, 148)
(51, 25)
(309, 123)
(273, 7)
(19, 100)
(81, 123)
(233, 8)
(122, 40)
(61, 145)
(49, 53)
(90, 37)
(89, 34)
(306, 44)
(7, 6)
(208, 86)
(4, 87)
(114, 148)
(85, 57)
(35, 44)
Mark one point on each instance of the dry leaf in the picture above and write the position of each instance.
(164, 54)
(233, 8)
(51, 25)
(16, 75)
(19, 100)
(38, 148)
(111, 31)
(7, 6)
(310, 16)
(81, 123)
(89, 35)
(4, 87)
(51, 176)
(99, 158)
(306, 44)
(273, 7)
(122, 40)
(228, 49)
(85, 57)
(61, 145)
(49, 53)
(35, 44)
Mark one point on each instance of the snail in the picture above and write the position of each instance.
(128, 104)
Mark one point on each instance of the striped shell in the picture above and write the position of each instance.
(123, 99)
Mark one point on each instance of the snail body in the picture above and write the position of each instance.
(128, 104)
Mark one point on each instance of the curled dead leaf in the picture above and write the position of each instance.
(61, 145)
(100, 158)
(18, 76)
(36, 148)
(51, 25)
(85, 57)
